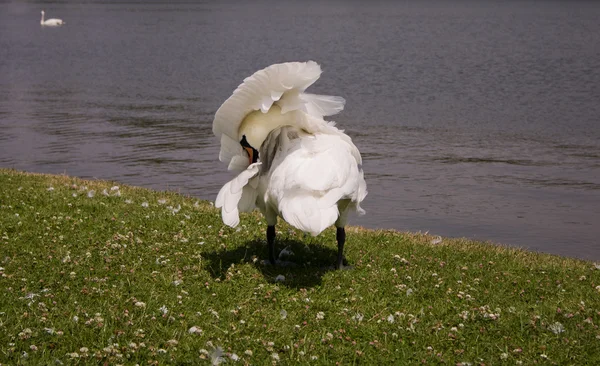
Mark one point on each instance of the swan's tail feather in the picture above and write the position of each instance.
(302, 211)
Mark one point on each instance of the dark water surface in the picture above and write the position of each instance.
(475, 118)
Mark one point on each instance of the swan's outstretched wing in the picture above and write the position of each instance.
(237, 195)
(322, 105)
(282, 84)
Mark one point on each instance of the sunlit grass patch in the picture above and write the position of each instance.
(94, 272)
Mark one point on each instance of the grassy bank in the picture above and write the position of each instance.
(94, 272)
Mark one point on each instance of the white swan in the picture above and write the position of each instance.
(51, 22)
(293, 163)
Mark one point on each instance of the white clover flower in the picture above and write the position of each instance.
(390, 318)
(234, 357)
(50, 189)
(144, 204)
(248, 352)
(283, 314)
(320, 315)
(163, 309)
(503, 356)
(195, 330)
(557, 328)
(162, 201)
(275, 356)
(358, 317)
(140, 304)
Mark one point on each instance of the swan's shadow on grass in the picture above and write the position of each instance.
(304, 269)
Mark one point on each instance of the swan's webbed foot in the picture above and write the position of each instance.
(271, 242)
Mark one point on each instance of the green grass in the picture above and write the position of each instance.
(105, 280)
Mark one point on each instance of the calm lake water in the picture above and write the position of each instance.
(475, 119)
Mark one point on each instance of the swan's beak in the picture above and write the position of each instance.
(250, 151)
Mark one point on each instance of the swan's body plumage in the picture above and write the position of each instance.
(53, 22)
(311, 180)
(308, 172)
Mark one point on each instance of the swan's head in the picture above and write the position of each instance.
(256, 126)
(43, 12)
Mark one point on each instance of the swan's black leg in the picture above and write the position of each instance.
(341, 239)
(271, 242)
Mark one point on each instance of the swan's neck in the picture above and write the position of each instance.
(257, 125)
(42, 21)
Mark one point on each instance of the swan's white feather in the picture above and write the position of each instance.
(323, 105)
(309, 175)
(257, 91)
(234, 196)
(281, 84)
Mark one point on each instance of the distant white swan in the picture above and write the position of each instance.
(293, 163)
(51, 22)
